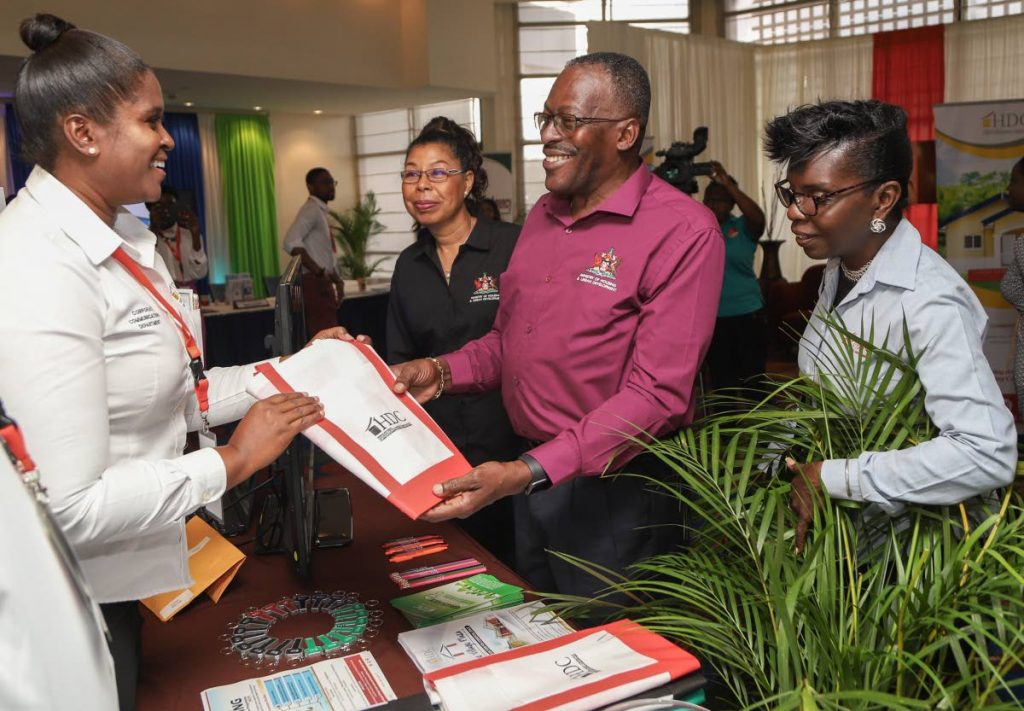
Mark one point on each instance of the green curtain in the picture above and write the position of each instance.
(247, 171)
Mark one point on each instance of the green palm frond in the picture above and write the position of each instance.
(922, 612)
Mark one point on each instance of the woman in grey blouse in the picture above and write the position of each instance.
(848, 169)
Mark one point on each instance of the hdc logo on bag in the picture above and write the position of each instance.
(384, 425)
(574, 667)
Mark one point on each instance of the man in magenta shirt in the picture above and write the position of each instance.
(607, 309)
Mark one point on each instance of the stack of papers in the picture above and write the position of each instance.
(458, 599)
(481, 635)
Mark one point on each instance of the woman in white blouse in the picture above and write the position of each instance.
(94, 366)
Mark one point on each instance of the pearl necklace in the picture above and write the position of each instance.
(854, 275)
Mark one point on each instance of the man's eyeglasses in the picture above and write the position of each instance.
(434, 175)
(808, 205)
(567, 123)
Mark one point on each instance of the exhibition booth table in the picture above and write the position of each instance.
(183, 657)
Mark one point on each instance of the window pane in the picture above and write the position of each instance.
(741, 5)
(981, 9)
(887, 15)
(548, 11)
(382, 131)
(545, 50)
(779, 26)
(533, 92)
(648, 9)
(465, 112)
(682, 28)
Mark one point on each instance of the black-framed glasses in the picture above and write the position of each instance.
(808, 205)
(567, 123)
(434, 175)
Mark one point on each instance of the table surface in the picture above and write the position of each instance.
(183, 657)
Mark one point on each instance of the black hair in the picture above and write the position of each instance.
(493, 204)
(631, 83)
(70, 71)
(872, 134)
(314, 174)
(714, 187)
(165, 190)
(463, 145)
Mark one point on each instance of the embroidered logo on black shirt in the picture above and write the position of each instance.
(485, 289)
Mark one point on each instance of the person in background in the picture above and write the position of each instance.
(445, 292)
(606, 313)
(488, 209)
(53, 646)
(178, 239)
(310, 238)
(739, 346)
(98, 363)
(848, 170)
(1012, 285)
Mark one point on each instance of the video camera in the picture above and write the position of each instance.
(678, 168)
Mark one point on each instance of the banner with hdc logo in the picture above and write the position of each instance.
(388, 441)
(976, 146)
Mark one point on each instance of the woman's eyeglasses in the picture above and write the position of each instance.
(434, 175)
(808, 205)
(567, 123)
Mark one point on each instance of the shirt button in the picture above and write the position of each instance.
(547, 278)
(568, 230)
(515, 381)
(529, 329)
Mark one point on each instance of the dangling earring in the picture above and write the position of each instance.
(878, 225)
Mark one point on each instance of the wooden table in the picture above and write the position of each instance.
(183, 657)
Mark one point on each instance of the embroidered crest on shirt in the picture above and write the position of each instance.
(602, 272)
(732, 232)
(485, 289)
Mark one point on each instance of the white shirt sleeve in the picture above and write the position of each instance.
(975, 450)
(53, 379)
(296, 235)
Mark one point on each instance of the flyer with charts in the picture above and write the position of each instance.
(345, 684)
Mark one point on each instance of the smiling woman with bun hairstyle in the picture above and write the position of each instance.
(93, 365)
(445, 292)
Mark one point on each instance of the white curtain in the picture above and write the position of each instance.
(789, 76)
(985, 60)
(695, 81)
(218, 251)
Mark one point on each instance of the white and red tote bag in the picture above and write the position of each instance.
(387, 440)
(583, 670)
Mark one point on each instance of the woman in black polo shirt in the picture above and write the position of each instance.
(445, 293)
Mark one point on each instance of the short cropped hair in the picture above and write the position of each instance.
(872, 134)
(314, 174)
(630, 80)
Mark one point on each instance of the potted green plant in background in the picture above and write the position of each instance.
(353, 229)
(922, 612)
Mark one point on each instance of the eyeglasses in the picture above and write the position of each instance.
(808, 205)
(434, 175)
(568, 123)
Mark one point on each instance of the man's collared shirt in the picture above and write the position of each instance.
(603, 323)
(311, 231)
(975, 450)
(97, 376)
(184, 263)
(429, 317)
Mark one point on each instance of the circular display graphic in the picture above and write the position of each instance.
(302, 628)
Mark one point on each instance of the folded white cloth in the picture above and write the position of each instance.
(388, 441)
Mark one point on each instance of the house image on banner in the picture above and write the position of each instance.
(979, 241)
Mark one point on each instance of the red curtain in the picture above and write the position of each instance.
(909, 71)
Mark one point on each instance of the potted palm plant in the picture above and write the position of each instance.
(353, 229)
(922, 612)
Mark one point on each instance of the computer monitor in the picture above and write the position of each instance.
(299, 504)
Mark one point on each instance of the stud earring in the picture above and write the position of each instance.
(878, 226)
(92, 150)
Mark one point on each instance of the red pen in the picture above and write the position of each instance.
(402, 557)
(420, 582)
(437, 569)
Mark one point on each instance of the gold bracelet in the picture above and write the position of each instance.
(440, 375)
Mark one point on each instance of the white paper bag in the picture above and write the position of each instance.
(580, 671)
(387, 440)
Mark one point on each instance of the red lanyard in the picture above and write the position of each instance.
(15, 444)
(195, 364)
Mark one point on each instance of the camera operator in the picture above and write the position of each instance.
(738, 349)
(178, 239)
